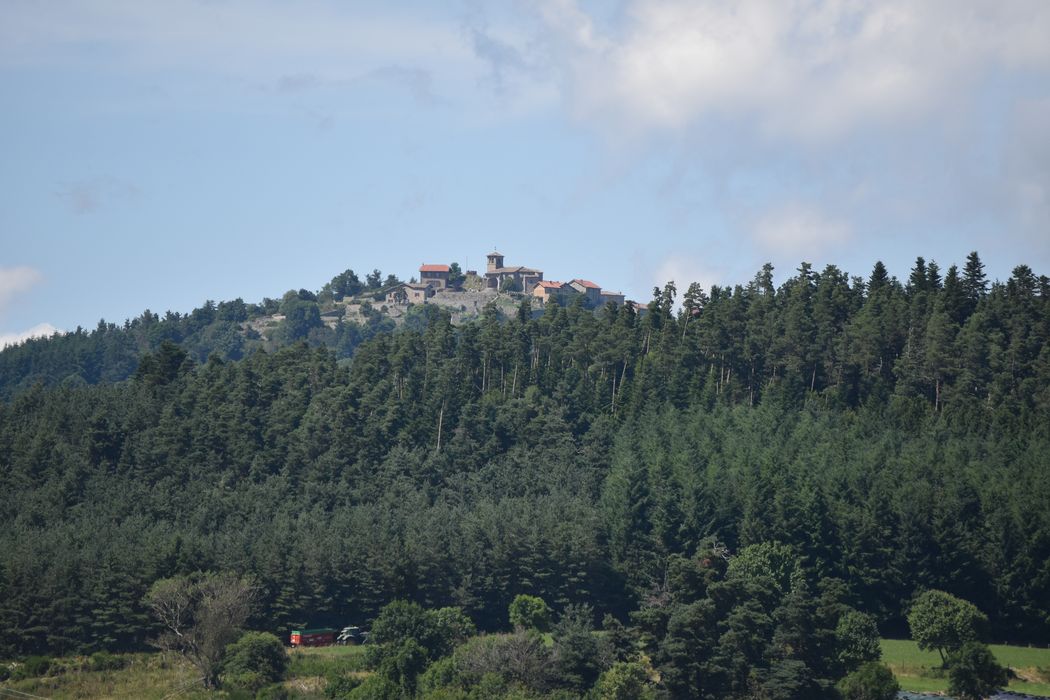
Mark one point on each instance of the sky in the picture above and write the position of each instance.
(160, 154)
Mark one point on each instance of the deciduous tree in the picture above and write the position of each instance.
(201, 614)
(529, 612)
(940, 621)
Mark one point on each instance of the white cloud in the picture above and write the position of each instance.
(685, 268)
(798, 68)
(834, 117)
(15, 280)
(41, 330)
(799, 229)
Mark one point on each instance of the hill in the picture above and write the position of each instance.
(892, 436)
(341, 315)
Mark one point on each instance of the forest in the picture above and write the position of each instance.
(892, 436)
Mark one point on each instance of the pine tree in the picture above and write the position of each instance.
(974, 282)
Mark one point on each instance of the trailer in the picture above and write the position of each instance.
(321, 637)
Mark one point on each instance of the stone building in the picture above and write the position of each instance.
(434, 275)
(497, 276)
(546, 291)
(410, 293)
(590, 290)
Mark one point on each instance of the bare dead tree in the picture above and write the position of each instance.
(201, 614)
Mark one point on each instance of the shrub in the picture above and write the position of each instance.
(33, 667)
(104, 661)
(872, 681)
(441, 675)
(773, 559)
(624, 681)
(255, 660)
(339, 685)
(375, 688)
(857, 638)
(273, 692)
(436, 631)
(403, 666)
(520, 658)
(973, 672)
(243, 685)
(530, 612)
(453, 627)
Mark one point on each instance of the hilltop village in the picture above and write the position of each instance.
(498, 278)
(464, 294)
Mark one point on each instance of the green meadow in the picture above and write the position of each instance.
(158, 676)
(921, 671)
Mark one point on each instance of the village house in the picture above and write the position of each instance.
(410, 293)
(545, 291)
(434, 275)
(499, 277)
(563, 292)
(590, 290)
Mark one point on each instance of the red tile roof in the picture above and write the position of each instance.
(586, 283)
(433, 268)
(549, 284)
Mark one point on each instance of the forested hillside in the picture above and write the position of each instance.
(895, 436)
(229, 330)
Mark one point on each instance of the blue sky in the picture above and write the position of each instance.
(155, 155)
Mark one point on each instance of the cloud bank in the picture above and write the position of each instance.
(844, 119)
(799, 69)
(42, 330)
(797, 227)
(15, 280)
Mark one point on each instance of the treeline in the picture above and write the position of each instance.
(111, 352)
(892, 436)
(750, 627)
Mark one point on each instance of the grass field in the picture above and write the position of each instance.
(146, 676)
(920, 670)
(160, 676)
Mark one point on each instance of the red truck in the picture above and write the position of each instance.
(321, 637)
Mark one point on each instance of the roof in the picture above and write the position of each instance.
(495, 254)
(550, 284)
(433, 268)
(508, 270)
(586, 283)
(612, 294)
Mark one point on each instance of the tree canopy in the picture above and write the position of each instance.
(776, 453)
(940, 621)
